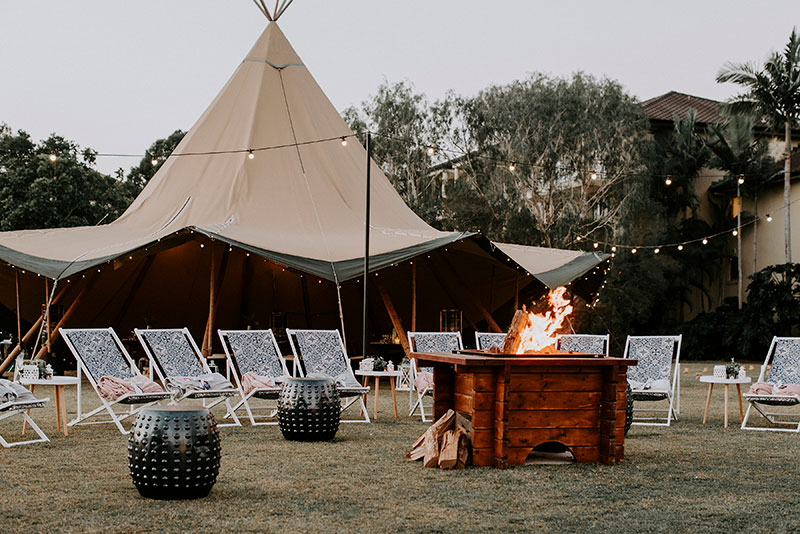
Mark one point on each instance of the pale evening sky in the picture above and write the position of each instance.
(115, 75)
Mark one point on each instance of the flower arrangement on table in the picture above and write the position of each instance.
(732, 369)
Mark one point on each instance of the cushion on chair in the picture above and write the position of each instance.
(252, 381)
(423, 381)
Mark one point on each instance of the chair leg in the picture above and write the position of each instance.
(361, 404)
(42, 436)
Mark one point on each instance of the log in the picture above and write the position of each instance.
(518, 323)
(432, 435)
(431, 446)
(463, 451)
(448, 455)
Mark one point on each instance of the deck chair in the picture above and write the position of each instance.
(20, 406)
(589, 343)
(254, 351)
(487, 340)
(428, 342)
(173, 353)
(783, 359)
(656, 377)
(323, 354)
(99, 352)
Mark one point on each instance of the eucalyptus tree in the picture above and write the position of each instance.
(772, 93)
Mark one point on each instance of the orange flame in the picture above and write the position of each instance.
(541, 330)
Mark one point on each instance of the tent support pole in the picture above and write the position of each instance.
(364, 322)
(29, 335)
(464, 288)
(211, 279)
(19, 311)
(396, 322)
(216, 286)
(52, 337)
(447, 291)
(413, 297)
(47, 314)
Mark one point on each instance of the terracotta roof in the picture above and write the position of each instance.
(664, 107)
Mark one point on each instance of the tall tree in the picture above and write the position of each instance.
(772, 93)
(153, 158)
(54, 184)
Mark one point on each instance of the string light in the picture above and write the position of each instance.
(613, 249)
(431, 150)
(656, 251)
(596, 245)
(741, 179)
(668, 181)
(633, 251)
(154, 162)
(344, 141)
(512, 167)
(769, 217)
(250, 154)
(680, 247)
(705, 241)
(735, 233)
(593, 176)
(52, 157)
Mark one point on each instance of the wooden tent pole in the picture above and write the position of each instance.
(212, 312)
(29, 335)
(447, 291)
(211, 279)
(51, 338)
(465, 290)
(396, 322)
(19, 311)
(413, 297)
(46, 345)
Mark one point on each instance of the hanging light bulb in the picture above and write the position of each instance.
(680, 247)
(596, 245)
(431, 150)
(769, 217)
(250, 154)
(735, 233)
(705, 241)
(613, 249)
(512, 167)
(593, 176)
(52, 157)
(154, 162)
(344, 141)
(741, 179)
(633, 251)
(202, 245)
(578, 238)
(668, 181)
(656, 251)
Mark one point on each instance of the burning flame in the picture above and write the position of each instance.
(540, 333)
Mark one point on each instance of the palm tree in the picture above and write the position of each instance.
(772, 93)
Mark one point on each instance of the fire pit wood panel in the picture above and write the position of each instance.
(518, 403)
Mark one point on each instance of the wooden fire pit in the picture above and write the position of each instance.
(517, 403)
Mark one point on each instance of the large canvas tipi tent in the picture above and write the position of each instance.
(260, 211)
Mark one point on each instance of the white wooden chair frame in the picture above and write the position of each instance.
(605, 339)
(672, 395)
(12, 408)
(358, 393)
(494, 335)
(233, 371)
(419, 404)
(761, 402)
(220, 395)
(142, 399)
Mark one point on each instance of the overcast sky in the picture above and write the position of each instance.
(115, 75)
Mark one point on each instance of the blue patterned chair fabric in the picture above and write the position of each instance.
(487, 340)
(322, 354)
(254, 352)
(173, 352)
(587, 343)
(100, 354)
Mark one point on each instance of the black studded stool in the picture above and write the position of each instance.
(173, 453)
(309, 409)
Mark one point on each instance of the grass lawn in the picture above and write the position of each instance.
(685, 478)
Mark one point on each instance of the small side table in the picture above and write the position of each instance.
(391, 375)
(58, 383)
(711, 380)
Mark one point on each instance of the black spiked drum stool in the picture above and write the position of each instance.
(173, 453)
(309, 409)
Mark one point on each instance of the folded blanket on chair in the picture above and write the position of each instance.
(252, 381)
(765, 388)
(111, 388)
(650, 384)
(423, 380)
(186, 385)
(13, 392)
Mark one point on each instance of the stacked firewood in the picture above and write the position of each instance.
(446, 444)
